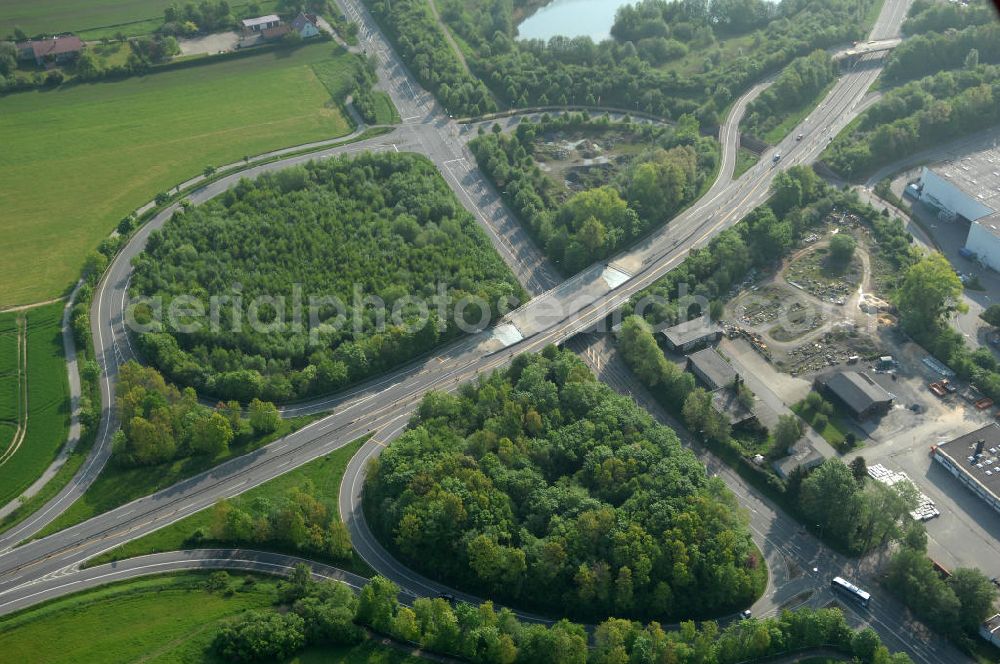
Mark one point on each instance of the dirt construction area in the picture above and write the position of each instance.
(817, 310)
(582, 159)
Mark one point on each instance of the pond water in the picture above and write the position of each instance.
(572, 18)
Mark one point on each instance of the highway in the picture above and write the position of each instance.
(557, 312)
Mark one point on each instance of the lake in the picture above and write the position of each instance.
(572, 18)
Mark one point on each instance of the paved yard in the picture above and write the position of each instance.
(213, 43)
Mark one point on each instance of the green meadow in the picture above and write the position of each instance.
(78, 158)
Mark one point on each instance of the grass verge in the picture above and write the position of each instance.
(325, 474)
(48, 398)
(116, 485)
(745, 160)
(163, 619)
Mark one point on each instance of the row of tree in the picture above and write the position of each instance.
(353, 230)
(541, 486)
(594, 223)
(918, 115)
(160, 423)
(325, 613)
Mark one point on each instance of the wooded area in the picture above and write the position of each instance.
(632, 70)
(378, 225)
(541, 486)
(595, 223)
(328, 613)
(161, 422)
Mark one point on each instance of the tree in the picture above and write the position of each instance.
(842, 248)
(377, 603)
(264, 417)
(972, 59)
(260, 635)
(211, 435)
(859, 469)
(787, 432)
(930, 291)
(991, 315)
(209, 171)
(976, 595)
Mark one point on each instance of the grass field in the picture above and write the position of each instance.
(94, 19)
(163, 620)
(78, 158)
(116, 485)
(325, 473)
(48, 397)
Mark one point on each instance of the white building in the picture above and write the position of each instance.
(984, 240)
(944, 189)
(967, 191)
(260, 23)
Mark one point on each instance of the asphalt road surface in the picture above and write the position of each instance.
(382, 406)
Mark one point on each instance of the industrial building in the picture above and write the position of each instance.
(690, 334)
(856, 392)
(711, 369)
(973, 459)
(967, 191)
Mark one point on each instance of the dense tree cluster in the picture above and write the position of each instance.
(629, 72)
(541, 486)
(297, 521)
(918, 115)
(595, 223)
(797, 85)
(934, 16)
(384, 226)
(206, 16)
(858, 515)
(954, 606)
(329, 614)
(422, 45)
(934, 52)
(160, 422)
(321, 614)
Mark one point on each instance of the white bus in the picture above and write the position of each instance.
(846, 587)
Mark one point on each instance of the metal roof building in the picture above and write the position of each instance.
(711, 368)
(861, 395)
(690, 334)
(979, 471)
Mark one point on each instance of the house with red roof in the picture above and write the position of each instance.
(60, 49)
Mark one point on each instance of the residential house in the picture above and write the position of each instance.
(306, 25)
(50, 50)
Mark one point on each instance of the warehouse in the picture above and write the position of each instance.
(973, 459)
(967, 191)
(984, 240)
(691, 334)
(858, 393)
(712, 369)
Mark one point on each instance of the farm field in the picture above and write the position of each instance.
(48, 397)
(163, 619)
(92, 19)
(323, 473)
(79, 158)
